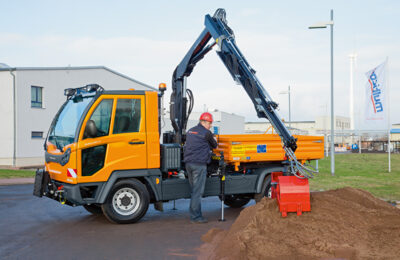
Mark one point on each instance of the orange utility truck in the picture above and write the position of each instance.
(103, 149)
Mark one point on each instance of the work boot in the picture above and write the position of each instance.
(199, 221)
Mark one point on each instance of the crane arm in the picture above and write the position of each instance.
(216, 28)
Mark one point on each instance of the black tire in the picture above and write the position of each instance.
(236, 201)
(95, 209)
(265, 189)
(127, 202)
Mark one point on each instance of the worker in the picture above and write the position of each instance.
(197, 154)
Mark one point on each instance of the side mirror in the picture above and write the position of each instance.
(91, 129)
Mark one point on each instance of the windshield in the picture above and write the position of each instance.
(63, 130)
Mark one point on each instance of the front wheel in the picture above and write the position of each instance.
(236, 201)
(127, 202)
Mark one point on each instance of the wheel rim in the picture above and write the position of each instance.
(126, 201)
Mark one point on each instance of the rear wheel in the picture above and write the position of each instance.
(127, 202)
(236, 201)
(95, 209)
(265, 189)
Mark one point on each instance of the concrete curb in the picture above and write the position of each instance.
(17, 181)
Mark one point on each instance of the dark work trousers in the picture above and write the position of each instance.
(197, 178)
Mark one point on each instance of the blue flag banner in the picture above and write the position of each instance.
(376, 110)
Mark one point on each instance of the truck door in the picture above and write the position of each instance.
(128, 149)
(120, 143)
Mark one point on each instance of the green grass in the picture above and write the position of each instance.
(364, 171)
(6, 174)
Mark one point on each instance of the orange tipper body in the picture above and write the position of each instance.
(240, 149)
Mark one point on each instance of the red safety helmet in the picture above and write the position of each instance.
(206, 117)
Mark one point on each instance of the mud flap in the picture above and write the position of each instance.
(159, 206)
(42, 178)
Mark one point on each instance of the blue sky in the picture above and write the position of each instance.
(146, 40)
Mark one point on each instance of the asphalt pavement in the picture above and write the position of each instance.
(41, 228)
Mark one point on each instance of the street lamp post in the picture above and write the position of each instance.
(290, 114)
(320, 26)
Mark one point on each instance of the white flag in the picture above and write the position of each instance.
(376, 109)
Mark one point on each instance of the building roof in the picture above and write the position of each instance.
(76, 68)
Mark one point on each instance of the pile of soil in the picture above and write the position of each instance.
(345, 223)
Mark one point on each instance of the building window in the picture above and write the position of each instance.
(36, 134)
(36, 96)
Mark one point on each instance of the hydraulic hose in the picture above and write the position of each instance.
(297, 169)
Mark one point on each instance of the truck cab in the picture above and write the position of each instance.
(99, 131)
(97, 138)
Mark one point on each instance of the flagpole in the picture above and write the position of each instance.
(388, 110)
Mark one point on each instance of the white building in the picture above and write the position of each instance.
(32, 96)
(224, 123)
(323, 123)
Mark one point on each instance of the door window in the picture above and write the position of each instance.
(102, 116)
(127, 116)
(93, 159)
